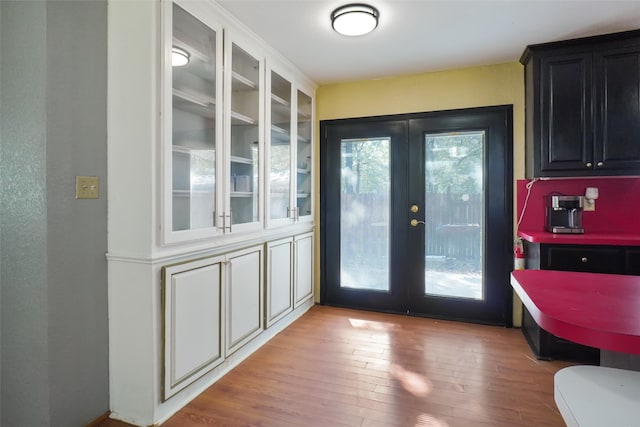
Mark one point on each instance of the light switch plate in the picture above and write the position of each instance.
(87, 187)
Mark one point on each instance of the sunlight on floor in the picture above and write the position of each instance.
(367, 324)
(413, 382)
(426, 420)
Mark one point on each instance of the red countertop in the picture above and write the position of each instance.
(595, 238)
(598, 310)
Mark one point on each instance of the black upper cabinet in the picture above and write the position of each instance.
(583, 106)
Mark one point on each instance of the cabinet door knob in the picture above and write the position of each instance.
(584, 259)
(599, 164)
(589, 164)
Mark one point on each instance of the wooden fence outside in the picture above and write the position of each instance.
(452, 230)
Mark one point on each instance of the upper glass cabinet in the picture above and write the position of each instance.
(236, 138)
(192, 134)
(245, 138)
(289, 150)
(304, 156)
(280, 156)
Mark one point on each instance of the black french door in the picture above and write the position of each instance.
(416, 213)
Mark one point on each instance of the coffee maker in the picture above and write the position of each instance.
(564, 214)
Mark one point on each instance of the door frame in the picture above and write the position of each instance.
(503, 249)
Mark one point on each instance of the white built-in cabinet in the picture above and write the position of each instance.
(193, 148)
(244, 113)
(226, 172)
(192, 293)
(303, 268)
(289, 150)
(289, 275)
(210, 187)
(213, 129)
(244, 297)
(211, 307)
(279, 291)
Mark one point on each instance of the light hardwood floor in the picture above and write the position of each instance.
(339, 367)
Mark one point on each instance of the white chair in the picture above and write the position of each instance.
(596, 396)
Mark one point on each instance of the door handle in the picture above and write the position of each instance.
(414, 222)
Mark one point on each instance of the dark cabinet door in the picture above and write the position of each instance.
(566, 138)
(583, 106)
(617, 131)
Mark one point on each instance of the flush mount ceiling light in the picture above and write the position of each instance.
(179, 57)
(354, 19)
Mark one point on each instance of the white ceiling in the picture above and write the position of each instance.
(416, 36)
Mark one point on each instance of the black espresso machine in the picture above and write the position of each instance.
(564, 214)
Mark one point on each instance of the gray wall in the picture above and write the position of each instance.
(53, 271)
(1, 187)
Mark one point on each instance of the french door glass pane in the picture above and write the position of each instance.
(193, 140)
(364, 213)
(454, 209)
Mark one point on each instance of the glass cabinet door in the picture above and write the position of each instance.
(191, 133)
(304, 156)
(279, 164)
(244, 138)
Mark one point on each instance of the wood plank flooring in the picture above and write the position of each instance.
(339, 367)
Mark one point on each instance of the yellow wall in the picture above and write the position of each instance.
(464, 88)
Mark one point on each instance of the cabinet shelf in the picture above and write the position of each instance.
(304, 139)
(280, 135)
(280, 130)
(199, 104)
(282, 112)
(280, 101)
(303, 171)
(241, 119)
(303, 116)
(241, 82)
(302, 195)
(242, 160)
(191, 193)
(180, 149)
(194, 139)
(241, 194)
(196, 98)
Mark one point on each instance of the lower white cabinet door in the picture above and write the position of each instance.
(192, 297)
(279, 295)
(244, 297)
(303, 268)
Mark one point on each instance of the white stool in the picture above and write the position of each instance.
(595, 396)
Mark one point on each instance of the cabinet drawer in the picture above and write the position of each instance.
(633, 262)
(584, 259)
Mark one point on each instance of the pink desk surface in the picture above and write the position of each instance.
(614, 239)
(598, 310)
